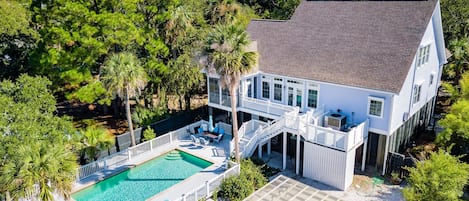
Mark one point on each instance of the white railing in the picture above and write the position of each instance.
(206, 190)
(126, 156)
(302, 125)
(337, 139)
(264, 106)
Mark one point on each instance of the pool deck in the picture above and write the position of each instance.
(214, 152)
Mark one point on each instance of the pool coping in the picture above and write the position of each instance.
(214, 166)
(182, 145)
(98, 177)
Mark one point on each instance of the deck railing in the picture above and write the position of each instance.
(307, 126)
(126, 156)
(206, 190)
(264, 106)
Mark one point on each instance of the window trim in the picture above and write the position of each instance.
(315, 87)
(373, 98)
(268, 89)
(432, 79)
(277, 81)
(418, 95)
(423, 54)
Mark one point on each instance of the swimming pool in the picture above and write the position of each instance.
(146, 180)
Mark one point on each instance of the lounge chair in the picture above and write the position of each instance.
(195, 140)
(203, 141)
(200, 131)
(204, 127)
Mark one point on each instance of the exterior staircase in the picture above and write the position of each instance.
(255, 132)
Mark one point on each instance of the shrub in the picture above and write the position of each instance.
(442, 177)
(253, 174)
(239, 187)
(148, 134)
(235, 188)
(144, 116)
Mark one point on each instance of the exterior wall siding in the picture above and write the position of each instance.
(335, 170)
(351, 101)
(403, 104)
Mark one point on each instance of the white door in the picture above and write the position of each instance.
(295, 96)
(247, 88)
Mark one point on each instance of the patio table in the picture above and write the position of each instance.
(210, 136)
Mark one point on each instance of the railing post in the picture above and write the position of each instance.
(129, 154)
(151, 145)
(170, 137)
(206, 187)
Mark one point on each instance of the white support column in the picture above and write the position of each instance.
(259, 151)
(284, 155)
(365, 145)
(386, 149)
(269, 147)
(298, 137)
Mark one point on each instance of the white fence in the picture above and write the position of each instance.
(204, 191)
(125, 157)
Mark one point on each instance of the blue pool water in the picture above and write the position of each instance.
(146, 180)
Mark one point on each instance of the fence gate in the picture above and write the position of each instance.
(396, 163)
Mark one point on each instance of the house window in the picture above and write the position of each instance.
(312, 98)
(248, 88)
(265, 89)
(423, 55)
(214, 90)
(278, 92)
(375, 106)
(416, 95)
(312, 95)
(432, 76)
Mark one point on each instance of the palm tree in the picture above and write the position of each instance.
(179, 28)
(227, 54)
(38, 170)
(123, 75)
(96, 139)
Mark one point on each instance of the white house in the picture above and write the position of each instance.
(353, 79)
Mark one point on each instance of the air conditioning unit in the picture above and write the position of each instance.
(336, 121)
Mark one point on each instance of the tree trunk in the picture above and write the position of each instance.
(180, 101)
(234, 117)
(187, 99)
(7, 196)
(129, 117)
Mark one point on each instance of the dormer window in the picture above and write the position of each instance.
(423, 55)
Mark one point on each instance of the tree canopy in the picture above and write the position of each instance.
(38, 154)
(442, 177)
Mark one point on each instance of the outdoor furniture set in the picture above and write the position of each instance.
(206, 134)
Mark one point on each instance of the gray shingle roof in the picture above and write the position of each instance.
(366, 44)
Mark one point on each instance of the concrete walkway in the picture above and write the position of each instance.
(360, 190)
